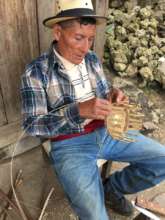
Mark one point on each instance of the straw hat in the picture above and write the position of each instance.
(70, 9)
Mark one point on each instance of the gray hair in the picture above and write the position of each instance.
(81, 21)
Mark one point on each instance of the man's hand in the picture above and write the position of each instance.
(95, 109)
(117, 96)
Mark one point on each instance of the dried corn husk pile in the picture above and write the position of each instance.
(133, 46)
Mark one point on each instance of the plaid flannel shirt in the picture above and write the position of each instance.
(49, 104)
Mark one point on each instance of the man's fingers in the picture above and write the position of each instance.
(100, 117)
(103, 104)
(103, 113)
(123, 99)
(95, 108)
(102, 109)
(102, 101)
(117, 96)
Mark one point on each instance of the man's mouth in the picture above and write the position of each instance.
(80, 57)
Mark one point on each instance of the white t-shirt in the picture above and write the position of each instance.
(79, 77)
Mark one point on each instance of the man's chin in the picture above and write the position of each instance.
(78, 60)
(77, 63)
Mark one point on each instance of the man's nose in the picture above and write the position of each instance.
(85, 46)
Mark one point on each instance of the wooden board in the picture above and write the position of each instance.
(26, 144)
(10, 133)
(101, 7)
(45, 9)
(13, 137)
(19, 45)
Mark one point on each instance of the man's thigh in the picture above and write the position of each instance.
(76, 167)
(143, 148)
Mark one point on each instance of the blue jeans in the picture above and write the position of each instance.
(75, 162)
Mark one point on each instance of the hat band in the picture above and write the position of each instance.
(77, 12)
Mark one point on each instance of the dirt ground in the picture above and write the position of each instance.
(39, 177)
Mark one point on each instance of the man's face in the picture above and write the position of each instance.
(75, 41)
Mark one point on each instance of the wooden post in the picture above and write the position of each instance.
(101, 7)
(45, 9)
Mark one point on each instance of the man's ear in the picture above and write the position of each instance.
(57, 32)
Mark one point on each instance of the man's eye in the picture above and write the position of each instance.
(78, 38)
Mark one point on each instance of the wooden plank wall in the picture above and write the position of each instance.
(23, 37)
(45, 9)
(19, 45)
(101, 9)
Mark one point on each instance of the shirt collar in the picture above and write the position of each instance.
(53, 60)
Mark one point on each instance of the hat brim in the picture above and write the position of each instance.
(50, 22)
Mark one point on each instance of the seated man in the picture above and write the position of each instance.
(66, 98)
